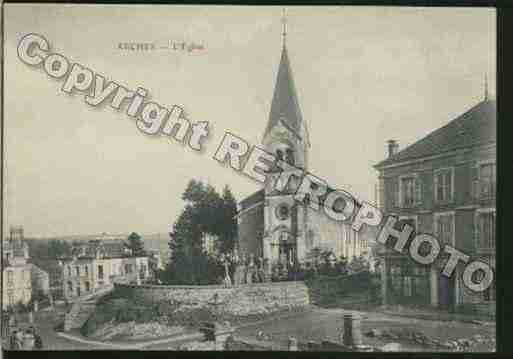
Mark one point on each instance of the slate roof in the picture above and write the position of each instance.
(285, 104)
(109, 248)
(475, 127)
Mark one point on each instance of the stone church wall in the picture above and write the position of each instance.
(251, 229)
(326, 233)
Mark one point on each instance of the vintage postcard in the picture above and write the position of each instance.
(249, 178)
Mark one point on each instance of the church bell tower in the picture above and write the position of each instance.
(286, 137)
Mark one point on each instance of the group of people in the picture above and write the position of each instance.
(243, 269)
(27, 339)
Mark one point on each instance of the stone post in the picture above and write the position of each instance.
(267, 255)
(31, 317)
(292, 344)
(384, 281)
(433, 281)
(352, 336)
(36, 306)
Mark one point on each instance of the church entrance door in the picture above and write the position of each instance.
(287, 255)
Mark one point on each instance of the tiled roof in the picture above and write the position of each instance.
(477, 126)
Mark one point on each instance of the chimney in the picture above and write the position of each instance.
(393, 147)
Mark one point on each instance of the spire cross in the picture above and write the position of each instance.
(284, 23)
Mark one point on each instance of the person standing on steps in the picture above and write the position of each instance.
(236, 268)
(250, 269)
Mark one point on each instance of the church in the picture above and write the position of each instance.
(273, 225)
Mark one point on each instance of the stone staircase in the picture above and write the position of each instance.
(82, 309)
(78, 315)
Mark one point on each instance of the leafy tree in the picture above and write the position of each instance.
(188, 264)
(59, 248)
(228, 222)
(136, 244)
(205, 212)
(48, 249)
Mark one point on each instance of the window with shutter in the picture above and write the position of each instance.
(444, 228)
(418, 190)
(475, 181)
(410, 191)
(395, 189)
(443, 187)
(487, 180)
(485, 230)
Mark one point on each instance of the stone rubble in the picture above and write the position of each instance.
(461, 344)
(133, 330)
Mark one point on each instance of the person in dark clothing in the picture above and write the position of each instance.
(17, 340)
(38, 342)
(12, 340)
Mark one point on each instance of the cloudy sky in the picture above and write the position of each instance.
(363, 75)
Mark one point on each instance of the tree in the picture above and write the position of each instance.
(205, 212)
(48, 249)
(189, 264)
(228, 222)
(136, 244)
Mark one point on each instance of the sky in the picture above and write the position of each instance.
(363, 75)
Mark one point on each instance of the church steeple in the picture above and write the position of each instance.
(285, 108)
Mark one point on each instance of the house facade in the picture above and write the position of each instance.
(445, 185)
(97, 265)
(16, 271)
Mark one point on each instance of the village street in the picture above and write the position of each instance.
(314, 324)
(325, 324)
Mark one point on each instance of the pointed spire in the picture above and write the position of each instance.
(284, 25)
(285, 104)
(486, 87)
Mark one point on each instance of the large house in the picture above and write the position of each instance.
(272, 224)
(97, 264)
(443, 184)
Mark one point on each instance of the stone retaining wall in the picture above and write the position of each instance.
(238, 300)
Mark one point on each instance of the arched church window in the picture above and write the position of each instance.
(290, 156)
(279, 155)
